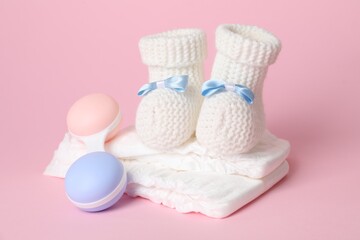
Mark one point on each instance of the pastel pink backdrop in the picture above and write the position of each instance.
(53, 52)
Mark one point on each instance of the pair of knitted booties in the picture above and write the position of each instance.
(229, 117)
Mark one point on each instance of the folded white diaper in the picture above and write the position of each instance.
(267, 155)
(188, 178)
(213, 194)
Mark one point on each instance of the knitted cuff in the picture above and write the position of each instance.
(247, 44)
(175, 48)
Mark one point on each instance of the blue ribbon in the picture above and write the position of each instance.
(176, 83)
(211, 87)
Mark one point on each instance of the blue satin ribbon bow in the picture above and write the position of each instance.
(176, 83)
(211, 87)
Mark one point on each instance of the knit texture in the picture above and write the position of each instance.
(166, 119)
(227, 124)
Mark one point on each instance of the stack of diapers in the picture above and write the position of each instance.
(187, 178)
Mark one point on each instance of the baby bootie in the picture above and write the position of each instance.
(168, 112)
(232, 118)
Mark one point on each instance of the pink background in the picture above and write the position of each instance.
(53, 52)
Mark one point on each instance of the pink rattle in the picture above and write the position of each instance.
(97, 180)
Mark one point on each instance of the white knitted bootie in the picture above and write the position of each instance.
(166, 118)
(228, 124)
